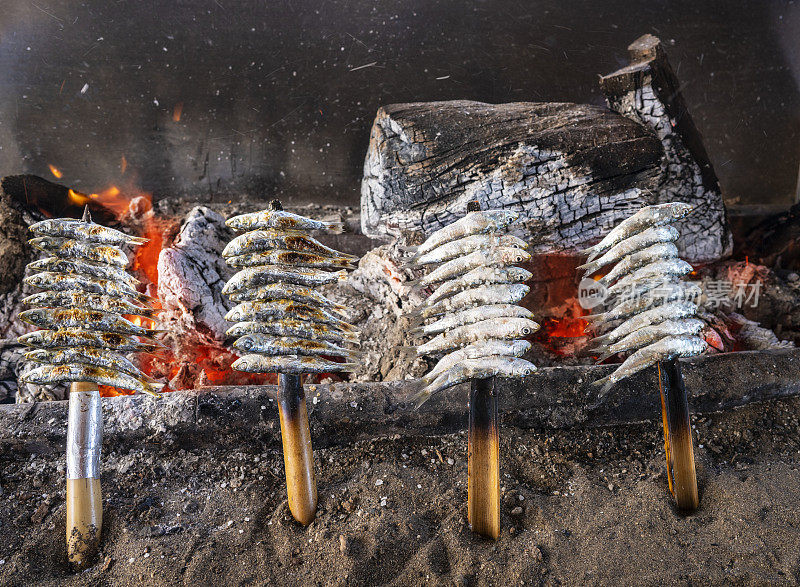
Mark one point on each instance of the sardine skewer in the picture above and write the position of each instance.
(283, 326)
(655, 334)
(481, 332)
(86, 293)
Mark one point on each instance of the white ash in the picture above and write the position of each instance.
(379, 296)
(754, 337)
(192, 273)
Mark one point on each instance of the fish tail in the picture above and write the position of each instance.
(153, 331)
(594, 317)
(421, 397)
(588, 268)
(335, 227)
(422, 392)
(144, 298)
(607, 382)
(153, 388)
(138, 240)
(588, 350)
(149, 313)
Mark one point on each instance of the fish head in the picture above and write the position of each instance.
(681, 210)
(235, 315)
(514, 255)
(509, 240)
(33, 316)
(519, 274)
(37, 355)
(31, 338)
(35, 280)
(245, 343)
(529, 328)
(242, 364)
(507, 217)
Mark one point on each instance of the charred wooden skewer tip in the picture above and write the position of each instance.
(483, 483)
(681, 473)
(84, 501)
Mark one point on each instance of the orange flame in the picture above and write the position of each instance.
(177, 111)
(55, 171)
(138, 204)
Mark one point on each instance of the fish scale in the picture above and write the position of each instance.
(478, 327)
(281, 324)
(652, 330)
(82, 331)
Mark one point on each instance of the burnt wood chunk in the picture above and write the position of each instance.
(648, 91)
(572, 170)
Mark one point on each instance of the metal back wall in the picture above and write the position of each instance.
(218, 97)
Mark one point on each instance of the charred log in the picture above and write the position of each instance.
(648, 91)
(571, 170)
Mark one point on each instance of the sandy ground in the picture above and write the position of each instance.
(579, 507)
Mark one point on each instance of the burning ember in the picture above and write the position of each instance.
(565, 334)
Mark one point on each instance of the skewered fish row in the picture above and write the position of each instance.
(477, 327)
(281, 323)
(478, 331)
(651, 312)
(83, 335)
(80, 313)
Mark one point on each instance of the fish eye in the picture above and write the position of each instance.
(526, 331)
(519, 259)
(247, 344)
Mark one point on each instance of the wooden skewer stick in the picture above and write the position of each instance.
(84, 501)
(483, 484)
(298, 454)
(681, 474)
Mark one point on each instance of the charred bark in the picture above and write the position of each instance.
(571, 170)
(648, 91)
